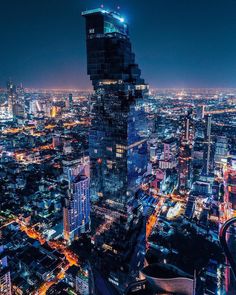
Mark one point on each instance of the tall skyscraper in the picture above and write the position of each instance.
(117, 143)
(185, 153)
(19, 105)
(187, 128)
(184, 166)
(200, 112)
(76, 212)
(221, 149)
(5, 278)
(232, 188)
(16, 100)
(70, 101)
(208, 143)
(11, 96)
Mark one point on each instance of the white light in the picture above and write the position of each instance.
(122, 19)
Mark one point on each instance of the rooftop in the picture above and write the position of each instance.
(103, 11)
(166, 271)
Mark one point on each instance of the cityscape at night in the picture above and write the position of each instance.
(118, 147)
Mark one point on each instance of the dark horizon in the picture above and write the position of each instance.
(184, 45)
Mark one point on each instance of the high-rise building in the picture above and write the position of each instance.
(16, 100)
(116, 134)
(117, 143)
(187, 122)
(188, 126)
(208, 147)
(70, 101)
(184, 167)
(200, 112)
(185, 152)
(5, 278)
(19, 105)
(232, 188)
(221, 149)
(76, 212)
(11, 96)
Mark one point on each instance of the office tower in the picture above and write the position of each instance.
(208, 134)
(185, 153)
(34, 107)
(187, 126)
(11, 96)
(208, 152)
(19, 104)
(231, 181)
(221, 149)
(200, 112)
(76, 212)
(16, 100)
(184, 166)
(116, 131)
(70, 101)
(117, 143)
(5, 278)
(168, 156)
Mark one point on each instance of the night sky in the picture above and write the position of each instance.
(178, 43)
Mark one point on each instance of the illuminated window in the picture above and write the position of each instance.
(120, 151)
(119, 146)
(109, 164)
(91, 31)
(109, 149)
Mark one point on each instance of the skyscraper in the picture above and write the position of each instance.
(76, 212)
(5, 279)
(208, 148)
(118, 132)
(16, 100)
(200, 112)
(117, 143)
(70, 101)
(187, 129)
(11, 96)
(188, 126)
(184, 166)
(19, 105)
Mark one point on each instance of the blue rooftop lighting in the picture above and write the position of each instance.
(103, 11)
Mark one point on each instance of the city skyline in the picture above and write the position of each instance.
(186, 45)
(118, 190)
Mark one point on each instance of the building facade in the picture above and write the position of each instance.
(76, 212)
(16, 100)
(5, 278)
(117, 143)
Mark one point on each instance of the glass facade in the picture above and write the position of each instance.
(76, 212)
(117, 143)
(5, 278)
(117, 151)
